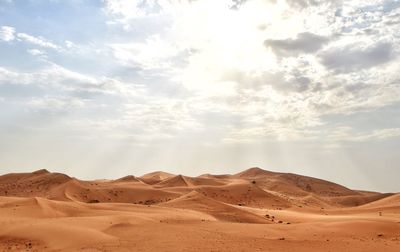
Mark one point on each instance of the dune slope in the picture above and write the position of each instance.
(254, 210)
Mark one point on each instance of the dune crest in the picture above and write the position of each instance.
(155, 177)
(248, 211)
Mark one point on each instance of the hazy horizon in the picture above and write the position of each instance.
(104, 89)
(93, 177)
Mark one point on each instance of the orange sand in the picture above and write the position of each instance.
(254, 210)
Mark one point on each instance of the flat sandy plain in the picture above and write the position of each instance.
(255, 210)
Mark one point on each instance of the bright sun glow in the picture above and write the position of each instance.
(291, 84)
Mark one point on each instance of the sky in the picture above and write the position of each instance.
(103, 89)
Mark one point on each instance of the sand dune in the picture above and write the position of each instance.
(245, 194)
(129, 178)
(184, 181)
(155, 177)
(175, 181)
(219, 210)
(293, 184)
(254, 210)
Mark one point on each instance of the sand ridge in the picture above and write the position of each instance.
(254, 210)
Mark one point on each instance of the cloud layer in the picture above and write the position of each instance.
(202, 73)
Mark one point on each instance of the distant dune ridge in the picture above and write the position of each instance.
(279, 206)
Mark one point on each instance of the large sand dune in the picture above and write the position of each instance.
(254, 210)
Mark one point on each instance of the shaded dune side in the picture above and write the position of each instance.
(246, 194)
(357, 200)
(176, 181)
(391, 201)
(39, 183)
(129, 178)
(215, 176)
(293, 184)
(114, 193)
(43, 208)
(185, 181)
(253, 187)
(200, 181)
(317, 186)
(221, 211)
(61, 187)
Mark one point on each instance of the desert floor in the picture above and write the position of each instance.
(255, 210)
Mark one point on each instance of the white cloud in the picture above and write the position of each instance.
(59, 78)
(152, 54)
(224, 55)
(266, 65)
(37, 41)
(69, 44)
(36, 52)
(7, 33)
(282, 81)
